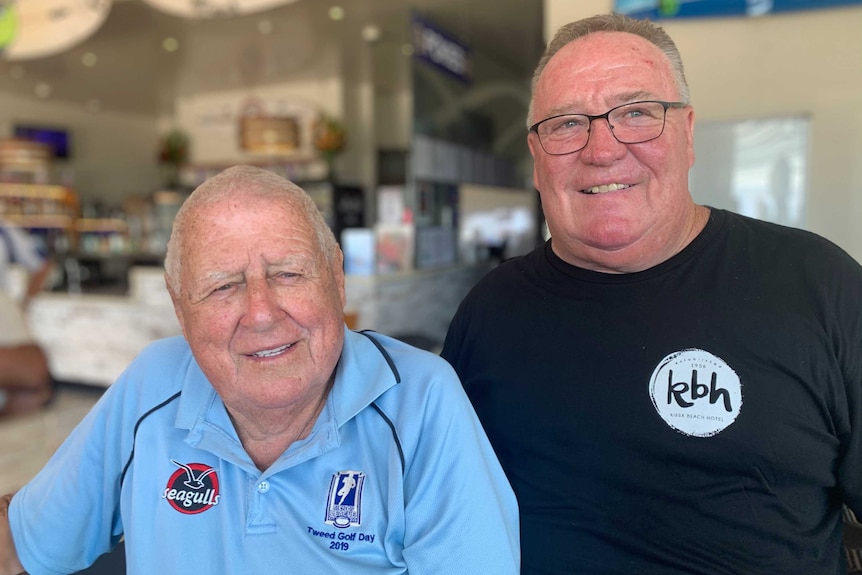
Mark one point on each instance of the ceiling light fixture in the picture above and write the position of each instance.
(43, 90)
(371, 33)
(214, 8)
(170, 44)
(264, 27)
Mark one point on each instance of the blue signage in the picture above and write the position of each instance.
(658, 9)
(436, 47)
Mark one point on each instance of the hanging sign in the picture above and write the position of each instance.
(659, 9)
(436, 47)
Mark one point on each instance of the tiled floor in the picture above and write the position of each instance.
(27, 442)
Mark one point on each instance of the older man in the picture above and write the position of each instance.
(269, 438)
(671, 389)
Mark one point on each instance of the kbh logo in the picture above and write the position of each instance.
(696, 392)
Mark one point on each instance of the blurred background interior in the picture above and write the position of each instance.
(404, 119)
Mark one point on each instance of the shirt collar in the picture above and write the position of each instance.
(363, 374)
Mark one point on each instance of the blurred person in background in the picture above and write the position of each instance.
(18, 247)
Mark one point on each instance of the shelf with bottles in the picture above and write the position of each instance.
(48, 212)
(22, 202)
(297, 168)
(102, 235)
(40, 221)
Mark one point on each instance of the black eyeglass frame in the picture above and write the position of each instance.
(666, 105)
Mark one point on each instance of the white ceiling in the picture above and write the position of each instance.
(134, 74)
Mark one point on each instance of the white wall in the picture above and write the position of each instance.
(801, 63)
(113, 155)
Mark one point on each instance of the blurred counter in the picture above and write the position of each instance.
(91, 338)
(415, 303)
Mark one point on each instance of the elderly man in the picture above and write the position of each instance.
(671, 389)
(269, 438)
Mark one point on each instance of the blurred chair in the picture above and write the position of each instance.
(113, 563)
(852, 541)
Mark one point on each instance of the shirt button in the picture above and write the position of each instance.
(263, 487)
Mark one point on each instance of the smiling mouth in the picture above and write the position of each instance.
(605, 188)
(271, 352)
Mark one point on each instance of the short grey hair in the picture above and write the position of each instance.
(246, 179)
(647, 30)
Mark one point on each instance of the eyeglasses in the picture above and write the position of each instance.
(631, 123)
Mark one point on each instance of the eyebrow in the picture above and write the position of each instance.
(634, 96)
(217, 276)
(203, 283)
(619, 99)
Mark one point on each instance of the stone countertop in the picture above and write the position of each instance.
(91, 338)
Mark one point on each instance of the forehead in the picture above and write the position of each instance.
(242, 207)
(243, 221)
(604, 69)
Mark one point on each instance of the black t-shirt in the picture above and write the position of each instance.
(699, 417)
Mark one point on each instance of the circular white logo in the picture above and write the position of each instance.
(696, 392)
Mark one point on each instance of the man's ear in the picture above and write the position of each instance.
(338, 274)
(175, 300)
(690, 135)
(535, 148)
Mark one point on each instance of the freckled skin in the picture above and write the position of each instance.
(254, 279)
(626, 230)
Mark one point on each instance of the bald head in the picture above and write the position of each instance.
(245, 181)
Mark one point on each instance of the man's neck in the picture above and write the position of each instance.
(641, 257)
(268, 434)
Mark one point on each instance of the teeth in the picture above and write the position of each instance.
(605, 188)
(271, 352)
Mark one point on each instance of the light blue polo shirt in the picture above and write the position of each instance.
(396, 476)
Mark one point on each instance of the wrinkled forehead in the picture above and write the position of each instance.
(247, 218)
(246, 206)
(605, 69)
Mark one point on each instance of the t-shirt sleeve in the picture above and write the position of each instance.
(846, 286)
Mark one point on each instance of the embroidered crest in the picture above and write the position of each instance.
(344, 502)
(193, 488)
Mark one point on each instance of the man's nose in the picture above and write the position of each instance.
(261, 302)
(602, 145)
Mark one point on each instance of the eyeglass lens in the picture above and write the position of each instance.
(630, 124)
